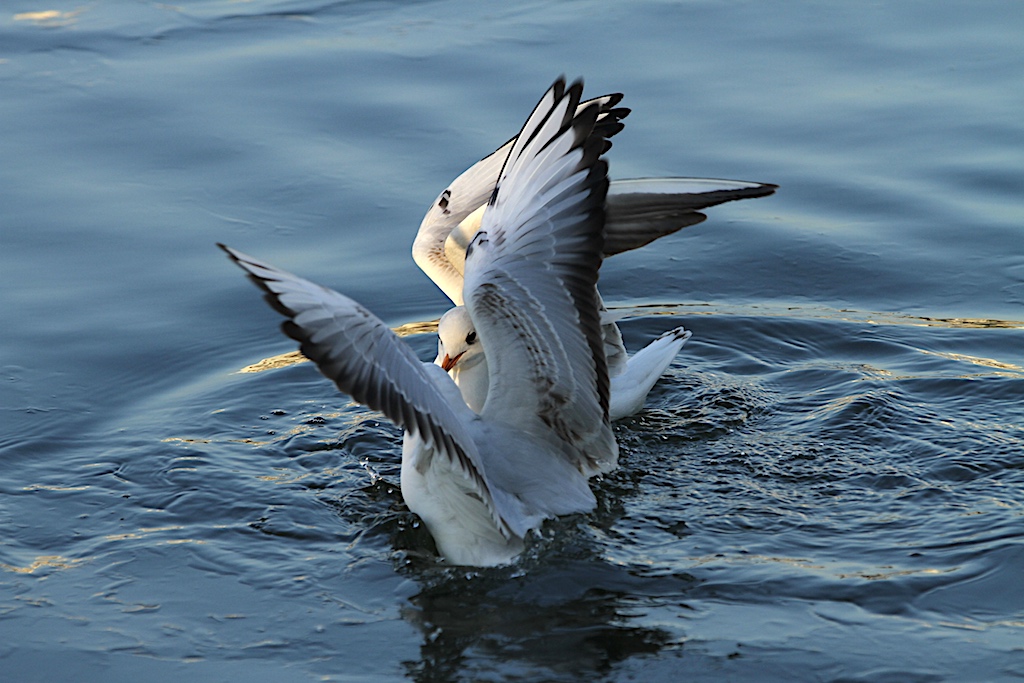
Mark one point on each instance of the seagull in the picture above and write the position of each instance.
(482, 481)
(462, 356)
(637, 212)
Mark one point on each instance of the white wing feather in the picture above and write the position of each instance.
(531, 278)
(367, 361)
(471, 191)
(516, 476)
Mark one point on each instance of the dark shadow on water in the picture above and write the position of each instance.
(475, 624)
(561, 613)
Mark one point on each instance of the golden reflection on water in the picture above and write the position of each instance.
(145, 532)
(291, 477)
(753, 310)
(277, 436)
(285, 360)
(46, 487)
(50, 18)
(888, 572)
(804, 312)
(274, 362)
(847, 315)
(976, 360)
(879, 573)
(47, 561)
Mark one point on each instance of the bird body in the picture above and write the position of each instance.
(539, 368)
(636, 212)
(482, 481)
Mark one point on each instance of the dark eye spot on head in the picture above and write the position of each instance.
(479, 238)
(471, 338)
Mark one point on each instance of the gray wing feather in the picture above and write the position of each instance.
(367, 361)
(641, 210)
(531, 281)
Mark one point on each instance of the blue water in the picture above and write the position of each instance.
(828, 485)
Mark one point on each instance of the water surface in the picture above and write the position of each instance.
(826, 486)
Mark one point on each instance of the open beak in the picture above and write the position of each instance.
(448, 363)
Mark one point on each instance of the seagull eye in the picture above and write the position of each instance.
(471, 337)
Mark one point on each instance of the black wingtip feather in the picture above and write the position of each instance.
(293, 331)
(613, 99)
(593, 136)
(272, 299)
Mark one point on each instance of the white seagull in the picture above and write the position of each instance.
(481, 482)
(637, 212)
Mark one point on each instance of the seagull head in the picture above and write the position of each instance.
(457, 343)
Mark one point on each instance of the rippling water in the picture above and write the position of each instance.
(827, 485)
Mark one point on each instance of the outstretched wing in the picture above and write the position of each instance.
(531, 282)
(365, 359)
(471, 191)
(641, 210)
(638, 211)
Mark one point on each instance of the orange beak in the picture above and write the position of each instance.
(449, 363)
